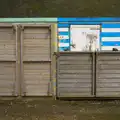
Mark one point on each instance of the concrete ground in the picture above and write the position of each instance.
(48, 109)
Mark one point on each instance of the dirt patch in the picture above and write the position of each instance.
(46, 109)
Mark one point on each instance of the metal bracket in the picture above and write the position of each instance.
(57, 55)
(13, 93)
(73, 45)
(50, 28)
(23, 94)
(14, 28)
(22, 27)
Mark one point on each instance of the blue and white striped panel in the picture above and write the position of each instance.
(63, 37)
(110, 36)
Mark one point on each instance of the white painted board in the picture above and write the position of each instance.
(80, 40)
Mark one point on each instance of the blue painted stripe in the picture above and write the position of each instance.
(108, 34)
(115, 25)
(89, 19)
(64, 41)
(63, 48)
(63, 33)
(111, 43)
(63, 25)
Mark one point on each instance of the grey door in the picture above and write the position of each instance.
(74, 74)
(8, 60)
(108, 74)
(36, 60)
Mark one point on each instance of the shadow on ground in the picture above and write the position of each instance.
(47, 109)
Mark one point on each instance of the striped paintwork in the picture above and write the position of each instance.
(63, 37)
(109, 36)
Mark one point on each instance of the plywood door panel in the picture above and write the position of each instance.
(36, 61)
